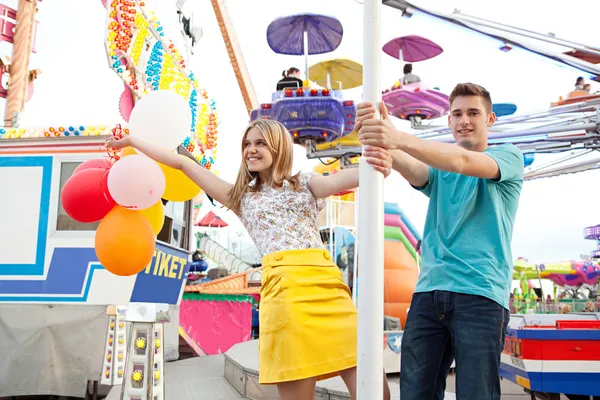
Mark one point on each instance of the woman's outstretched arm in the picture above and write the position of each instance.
(214, 186)
(325, 186)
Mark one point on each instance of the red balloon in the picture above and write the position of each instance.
(84, 195)
(101, 163)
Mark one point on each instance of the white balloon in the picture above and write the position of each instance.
(162, 118)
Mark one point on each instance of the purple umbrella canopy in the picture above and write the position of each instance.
(412, 48)
(285, 35)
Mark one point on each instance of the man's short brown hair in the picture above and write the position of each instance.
(472, 89)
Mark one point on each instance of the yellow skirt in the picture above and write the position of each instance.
(308, 322)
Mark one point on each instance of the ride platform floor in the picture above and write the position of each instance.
(234, 376)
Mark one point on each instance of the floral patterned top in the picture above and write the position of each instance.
(283, 219)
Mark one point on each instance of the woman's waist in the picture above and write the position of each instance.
(291, 273)
(314, 256)
(268, 244)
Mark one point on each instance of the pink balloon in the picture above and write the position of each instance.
(136, 182)
(126, 103)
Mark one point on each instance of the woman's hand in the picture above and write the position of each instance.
(373, 131)
(117, 144)
(379, 158)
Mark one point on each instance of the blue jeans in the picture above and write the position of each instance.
(444, 326)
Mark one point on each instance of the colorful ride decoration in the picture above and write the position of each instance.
(576, 96)
(216, 315)
(339, 73)
(400, 279)
(578, 273)
(593, 233)
(305, 34)
(56, 131)
(348, 144)
(415, 101)
(528, 159)
(320, 115)
(553, 354)
(504, 109)
(309, 113)
(569, 274)
(406, 232)
(524, 298)
(139, 53)
(125, 191)
(412, 48)
(401, 267)
(397, 226)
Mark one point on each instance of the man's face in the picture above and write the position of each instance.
(469, 122)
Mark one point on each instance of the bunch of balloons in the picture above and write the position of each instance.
(126, 195)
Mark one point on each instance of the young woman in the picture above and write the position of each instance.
(291, 79)
(308, 323)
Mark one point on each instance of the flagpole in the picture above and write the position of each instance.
(370, 227)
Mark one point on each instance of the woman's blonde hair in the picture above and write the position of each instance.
(281, 148)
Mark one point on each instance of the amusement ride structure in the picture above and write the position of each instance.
(568, 125)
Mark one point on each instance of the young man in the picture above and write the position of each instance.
(460, 307)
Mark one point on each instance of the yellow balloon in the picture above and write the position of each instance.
(179, 187)
(155, 215)
(127, 151)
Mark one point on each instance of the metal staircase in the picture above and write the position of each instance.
(222, 256)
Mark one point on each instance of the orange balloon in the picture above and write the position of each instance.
(127, 151)
(124, 242)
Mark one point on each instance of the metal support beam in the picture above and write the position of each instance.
(235, 55)
(525, 33)
(528, 117)
(408, 8)
(564, 169)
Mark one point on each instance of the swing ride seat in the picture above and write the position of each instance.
(320, 115)
(416, 100)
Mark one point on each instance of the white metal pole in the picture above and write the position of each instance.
(306, 55)
(370, 226)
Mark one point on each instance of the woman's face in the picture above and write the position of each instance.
(256, 152)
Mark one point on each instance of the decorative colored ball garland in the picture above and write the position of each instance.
(128, 32)
(53, 131)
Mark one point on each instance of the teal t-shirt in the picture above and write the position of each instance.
(468, 230)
